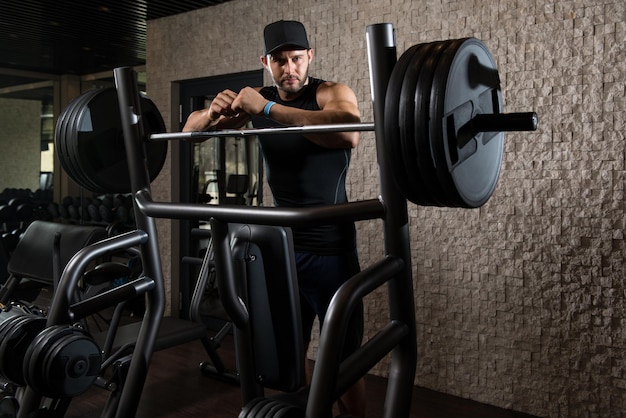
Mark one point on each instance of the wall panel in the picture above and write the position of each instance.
(520, 303)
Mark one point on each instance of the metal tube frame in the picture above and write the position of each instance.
(382, 57)
(391, 207)
(330, 377)
(63, 311)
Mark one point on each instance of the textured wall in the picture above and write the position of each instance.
(20, 130)
(520, 303)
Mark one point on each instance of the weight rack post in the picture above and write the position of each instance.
(132, 127)
(382, 58)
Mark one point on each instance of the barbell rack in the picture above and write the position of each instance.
(444, 141)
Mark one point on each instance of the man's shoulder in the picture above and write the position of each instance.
(333, 89)
(325, 84)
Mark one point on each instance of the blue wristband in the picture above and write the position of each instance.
(266, 109)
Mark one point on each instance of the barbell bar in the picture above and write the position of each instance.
(489, 122)
(346, 127)
(504, 122)
(444, 125)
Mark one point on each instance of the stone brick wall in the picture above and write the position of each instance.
(520, 303)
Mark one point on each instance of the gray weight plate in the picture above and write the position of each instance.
(471, 86)
(436, 125)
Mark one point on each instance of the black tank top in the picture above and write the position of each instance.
(303, 174)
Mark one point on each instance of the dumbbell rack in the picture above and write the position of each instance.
(330, 377)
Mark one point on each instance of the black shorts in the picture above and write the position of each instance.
(319, 277)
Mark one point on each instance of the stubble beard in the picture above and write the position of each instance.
(293, 89)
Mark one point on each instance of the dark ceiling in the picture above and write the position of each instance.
(39, 37)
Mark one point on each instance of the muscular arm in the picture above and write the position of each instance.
(338, 105)
(219, 115)
(337, 102)
(199, 121)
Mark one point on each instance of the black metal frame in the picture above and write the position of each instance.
(330, 376)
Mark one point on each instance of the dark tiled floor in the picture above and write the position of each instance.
(176, 388)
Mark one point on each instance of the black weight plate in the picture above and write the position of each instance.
(270, 409)
(59, 139)
(76, 150)
(72, 365)
(406, 123)
(275, 407)
(437, 139)
(247, 409)
(8, 321)
(71, 132)
(36, 355)
(52, 376)
(258, 410)
(59, 136)
(69, 159)
(14, 345)
(10, 324)
(393, 152)
(97, 142)
(288, 411)
(425, 158)
(65, 153)
(32, 348)
(414, 124)
(58, 148)
(472, 83)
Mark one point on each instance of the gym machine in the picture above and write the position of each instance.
(439, 126)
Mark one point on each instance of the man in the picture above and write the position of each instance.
(303, 170)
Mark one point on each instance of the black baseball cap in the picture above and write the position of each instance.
(285, 33)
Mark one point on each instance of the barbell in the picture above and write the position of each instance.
(443, 123)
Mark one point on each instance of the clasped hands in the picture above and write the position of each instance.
(229, 104)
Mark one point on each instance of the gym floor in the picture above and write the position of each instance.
(176, 388)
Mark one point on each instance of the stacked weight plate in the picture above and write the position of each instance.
(61, 361)
(17, 330)
(90, 143)
(434, 92)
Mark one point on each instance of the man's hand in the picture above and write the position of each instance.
(250, 101)
(221, 114)
(222, 105)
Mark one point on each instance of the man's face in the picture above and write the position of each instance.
(289, 69)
